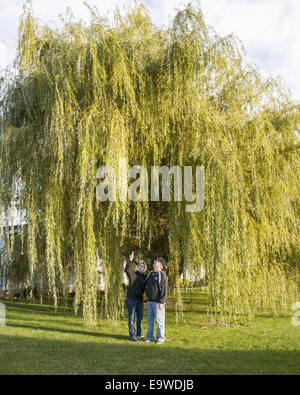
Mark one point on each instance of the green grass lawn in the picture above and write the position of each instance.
(36, 340)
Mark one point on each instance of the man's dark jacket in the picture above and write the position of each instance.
(157, 287)
(137, 283)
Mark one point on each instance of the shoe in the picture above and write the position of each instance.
(134, 339)
(149, 341)
(160, 341)
(140, 337)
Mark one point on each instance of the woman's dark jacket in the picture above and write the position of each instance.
(137, 283)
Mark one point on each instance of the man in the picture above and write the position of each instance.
(157, 293)
(134, 299)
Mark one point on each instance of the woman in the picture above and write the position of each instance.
(134, 299)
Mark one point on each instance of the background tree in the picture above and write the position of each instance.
(83, 96)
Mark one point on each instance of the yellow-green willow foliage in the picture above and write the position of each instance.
(84, 96)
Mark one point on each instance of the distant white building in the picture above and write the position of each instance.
(193, 275)
(18, 286)
(70, 283)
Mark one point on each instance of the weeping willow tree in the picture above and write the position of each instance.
(82, 96)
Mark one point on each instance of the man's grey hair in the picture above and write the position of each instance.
(161, 261)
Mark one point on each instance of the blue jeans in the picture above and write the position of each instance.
(154, 313)
(135, 308)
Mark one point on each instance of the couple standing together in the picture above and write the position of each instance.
(156, 286)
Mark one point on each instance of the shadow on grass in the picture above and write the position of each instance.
(29, 355)
(37, 307)
(69, 331)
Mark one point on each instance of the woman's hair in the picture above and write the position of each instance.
(143, 263)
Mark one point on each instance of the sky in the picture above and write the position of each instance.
(269, 29)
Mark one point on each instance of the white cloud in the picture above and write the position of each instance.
(269, 29)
